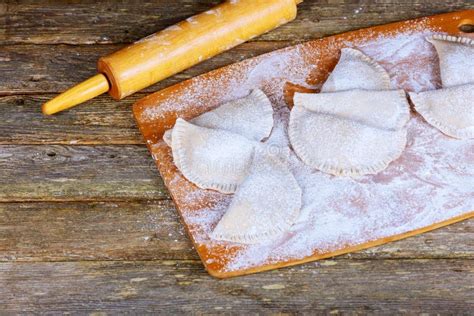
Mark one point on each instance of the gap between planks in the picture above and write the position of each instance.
(435, 286)
(79, 173)
(30, 69)
(98, 231)
(102, 22)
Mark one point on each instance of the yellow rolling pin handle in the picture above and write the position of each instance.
(177, 48)
(78, 94)
(191, 41)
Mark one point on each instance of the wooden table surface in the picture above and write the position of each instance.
(86, 224)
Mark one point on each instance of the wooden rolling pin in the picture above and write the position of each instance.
(176, 48)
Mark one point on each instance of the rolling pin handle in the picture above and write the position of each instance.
(82, 92)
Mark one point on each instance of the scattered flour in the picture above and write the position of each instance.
(402, 56)
(431, 182)
(269, 72)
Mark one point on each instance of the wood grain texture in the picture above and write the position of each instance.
(54, 68)
(102, 208)
(100, 121)
(78, 173)
(171, 287)
(93, 231)
(76, 231)
(99, 22)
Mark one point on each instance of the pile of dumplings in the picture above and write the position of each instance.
(224, 150)
(451, 109)
(356, 126)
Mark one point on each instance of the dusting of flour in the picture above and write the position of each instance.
(431, 182)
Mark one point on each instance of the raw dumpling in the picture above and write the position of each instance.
(451, 110)
(329, 132)
(251, 117)
(382, 109)
(211, 158)
(456, 59)
(356, 71)
(266, 204)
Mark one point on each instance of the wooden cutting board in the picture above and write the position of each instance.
(412, 63)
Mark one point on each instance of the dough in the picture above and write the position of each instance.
(211, 158)
(350, 129)
(334, 136)
(381, 109)
(266, 204)
(251, 117)
(456, 59)
(356, 71)
(451, 110)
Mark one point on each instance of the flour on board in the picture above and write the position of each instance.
(432, 181)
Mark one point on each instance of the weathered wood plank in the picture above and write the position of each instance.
(99, 121)
(133, 228)
(56, 173)
(91, 22)
(332, 286)
(151, 231)
(54, 68)
(92, 231)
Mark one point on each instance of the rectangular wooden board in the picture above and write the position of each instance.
(279, 74)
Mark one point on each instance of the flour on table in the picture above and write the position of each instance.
(251, 117)
(401, 55)
(265, 205)
(268, 74)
